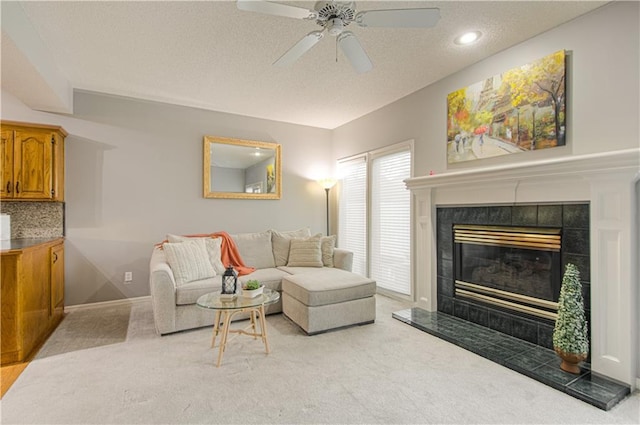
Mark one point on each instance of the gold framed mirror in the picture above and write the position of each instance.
(241, 169)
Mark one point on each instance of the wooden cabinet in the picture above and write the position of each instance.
(32, 298)
(57, 280)
(32, 158)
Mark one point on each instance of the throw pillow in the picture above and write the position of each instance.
(305, 253)
(281, 241)
(327, 245)
(213, 249)
(189, 260)
(255, 249)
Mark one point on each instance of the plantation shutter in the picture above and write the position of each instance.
(390, 231)
(352, 222)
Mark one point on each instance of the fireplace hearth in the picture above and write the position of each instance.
(541, 364)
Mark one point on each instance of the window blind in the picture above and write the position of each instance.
(352, 222)
(390, 231)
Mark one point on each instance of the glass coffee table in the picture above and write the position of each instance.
(225, 310)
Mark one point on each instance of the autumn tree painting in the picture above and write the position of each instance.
(519, 110)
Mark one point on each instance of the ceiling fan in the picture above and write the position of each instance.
(334, 17)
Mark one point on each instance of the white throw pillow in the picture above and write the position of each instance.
(189, 260)
(281, 240)
(213, 246)
(327, 245)
(305, 253)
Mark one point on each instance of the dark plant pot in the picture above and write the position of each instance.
(570, 361)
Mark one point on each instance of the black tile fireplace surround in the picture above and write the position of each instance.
(571, 218)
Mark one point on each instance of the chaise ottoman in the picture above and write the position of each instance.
(330, 299)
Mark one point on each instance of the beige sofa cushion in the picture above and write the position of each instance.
(298, 270)
(189, 261)
(281, 240)
(190, 292)
(255, 249)
(305, 253)
(270, 278)
(328, 286)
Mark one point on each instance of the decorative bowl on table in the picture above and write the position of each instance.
(251, 291)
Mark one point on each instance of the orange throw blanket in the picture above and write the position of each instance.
(229, 254)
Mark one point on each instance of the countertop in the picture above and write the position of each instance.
(17, 244)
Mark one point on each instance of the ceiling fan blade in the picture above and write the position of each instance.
(353, 50)
(399, 18)
(277, 9)
(300, 48)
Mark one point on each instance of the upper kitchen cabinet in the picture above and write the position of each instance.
(32, 162)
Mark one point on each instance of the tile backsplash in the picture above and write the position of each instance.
(33, 219)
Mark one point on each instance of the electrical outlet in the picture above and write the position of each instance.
(128, 276)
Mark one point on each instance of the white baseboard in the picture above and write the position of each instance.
(124, 301)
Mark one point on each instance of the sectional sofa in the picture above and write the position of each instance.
(318, 290)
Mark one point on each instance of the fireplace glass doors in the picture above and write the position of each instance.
(513, 268)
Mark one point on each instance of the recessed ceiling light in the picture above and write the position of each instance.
(468, 38)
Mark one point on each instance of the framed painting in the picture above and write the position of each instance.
(520, 110)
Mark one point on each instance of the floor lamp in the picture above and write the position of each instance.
(327, 184)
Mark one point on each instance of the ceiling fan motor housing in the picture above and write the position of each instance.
(335, 15)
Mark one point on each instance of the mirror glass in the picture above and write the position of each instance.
(241, 169)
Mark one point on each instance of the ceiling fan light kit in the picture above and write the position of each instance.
(333, 17)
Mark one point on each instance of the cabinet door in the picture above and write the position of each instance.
(10, 311)
(33, 164)
(6, 157)
(57, 279)
(35, 295)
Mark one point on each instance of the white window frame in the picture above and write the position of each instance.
(367, 157)
(360, 158)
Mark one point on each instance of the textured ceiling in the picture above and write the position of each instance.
(211, 55)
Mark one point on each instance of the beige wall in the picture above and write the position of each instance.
(603, 95)
(134, 174)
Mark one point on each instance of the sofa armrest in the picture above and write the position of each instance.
(162, 286)
(343, 259)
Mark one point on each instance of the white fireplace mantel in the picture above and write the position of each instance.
(608, 181)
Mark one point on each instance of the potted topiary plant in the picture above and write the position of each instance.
(252, 288)
(570, 337)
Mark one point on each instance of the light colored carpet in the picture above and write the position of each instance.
(387, 372)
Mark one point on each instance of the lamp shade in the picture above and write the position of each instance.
(327, 183)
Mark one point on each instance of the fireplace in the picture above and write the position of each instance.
(500, 266)
(516, 269)
(603, 244)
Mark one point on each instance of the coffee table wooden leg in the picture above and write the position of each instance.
(263, 329)
(216, 328)
(253, 323)
(225, 334)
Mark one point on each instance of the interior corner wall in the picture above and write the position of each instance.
(134, 174)
(603, 95)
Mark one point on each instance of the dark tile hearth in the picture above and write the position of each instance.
(531, 360)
